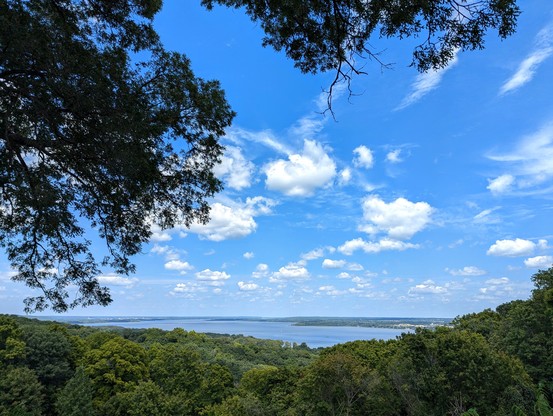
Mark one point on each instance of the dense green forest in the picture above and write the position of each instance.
(489, 363)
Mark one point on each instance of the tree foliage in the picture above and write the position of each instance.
(94, 136)
(322, 35)
(522, 328)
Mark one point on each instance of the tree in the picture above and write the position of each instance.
(450, 371)
(12, 347)
(322, 35)
(115, 367)
(94, 137)
(337, 383)
(76, 398)
(20, 392)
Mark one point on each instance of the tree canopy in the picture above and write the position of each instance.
(322, 35)
(104, 129)
(92, 136)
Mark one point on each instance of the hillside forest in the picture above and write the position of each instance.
(495, 362)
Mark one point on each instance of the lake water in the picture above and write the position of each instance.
(313, 336)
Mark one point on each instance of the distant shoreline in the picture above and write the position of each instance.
(373, 322)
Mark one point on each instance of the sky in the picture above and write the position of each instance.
(427, 195)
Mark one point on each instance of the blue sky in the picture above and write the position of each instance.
(429, 195)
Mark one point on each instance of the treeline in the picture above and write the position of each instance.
(489, 363)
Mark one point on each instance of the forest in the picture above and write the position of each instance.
(495, 362)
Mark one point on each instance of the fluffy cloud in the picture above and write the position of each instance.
(341, 264)
(495, 287)
(115, 280)
(363, 157)
(370, 247)
(317, 253)
(333, 264)
(424, 83)
(303, 173)
(262, 270)
(248, 255)
(344, 177)
(159, 235)
(530, 165)
(539, 262)
(515, 248)
(332, 291)
(501, 184)
(235, 220)
(170, 253)
(467, 271)
(182, 266)
(292, 271)
(234, 169)
(400, 219)
(527, 68)
(393, 156)
(498, 281)
(187, 290)
(212, 277)
(427, 287)
(247, 287)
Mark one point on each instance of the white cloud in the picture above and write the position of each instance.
(317, 253)
(400, 219)
(313, 254)
(530, 165)
(234, 169)
(7, 275)
(514, 248)
(187, 290)
(262, 270)
(364, 157)
(527, 68)
(332, 291)
(333, 264)
(344, 275)
(303, 173)
(182, 266)
(539, 262)
(159, 235)
(370, 247)
(496, 287)
(344, 177)
(393, 156)
(307, 127)
(291, 271)
(115, 280)
(265, 137)
(424, 83)
(501, 184)
(235, 220)
(248, 255)
(247, 287)
(467, 271)
(354, 267)
(498, 281)
(427, 287)
(212, 277)
(170, 253)
(485, 217)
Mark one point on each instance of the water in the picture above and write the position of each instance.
(313, 336)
